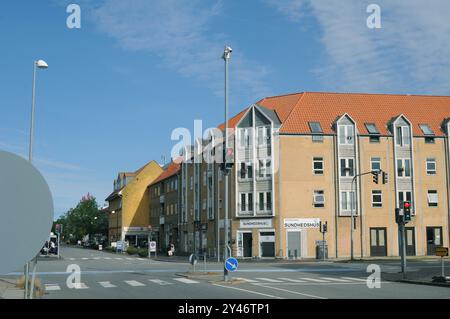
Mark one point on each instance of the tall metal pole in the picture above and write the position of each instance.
(226, 56)
(352, 257)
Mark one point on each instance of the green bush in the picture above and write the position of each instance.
(132, 250)
(142, 252)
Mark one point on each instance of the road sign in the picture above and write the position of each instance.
(119, 245)
(193, 259)
(441, 251)
(152, 246)
(231, 264)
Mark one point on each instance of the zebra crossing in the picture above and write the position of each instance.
(125, 283)
(110, 258)
(303, 280)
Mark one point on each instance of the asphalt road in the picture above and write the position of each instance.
(115, 276)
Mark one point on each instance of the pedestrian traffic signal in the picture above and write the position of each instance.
(384, 177)
(375, 176)
(407, 211)
(228, 158)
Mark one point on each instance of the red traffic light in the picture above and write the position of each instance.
(406, 205)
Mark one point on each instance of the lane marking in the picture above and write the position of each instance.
(334, 279)
(52, 287)
(352, 278)
(291, 280)
(250, 291)
(313, 279)
(186, 281)
(134, 283)
(140, 258)
(107, 284)
(128, 258)
(290, 291)
(84, 258)
(118, 258)
(268, 279)
(160, 282)
(107, 258)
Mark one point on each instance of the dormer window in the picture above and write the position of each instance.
(428, 132)
(346, 135)
(374, 132)
(403, 137)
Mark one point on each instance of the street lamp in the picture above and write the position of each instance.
(39, 64)
(226, 57)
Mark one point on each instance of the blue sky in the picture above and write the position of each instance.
(137, 69)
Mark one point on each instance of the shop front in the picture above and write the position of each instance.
(255, 238)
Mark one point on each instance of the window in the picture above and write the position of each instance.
(374, 139)
(403, 136)
(347, 167)
(263, 136)
(372, 128)
(346, 134)
(265, 201)
(432, 198)
(377, 200)
(347, 201)
(404, 167)
(375, 164)
(318, 165)
(246, 171)
(244, 137)
(431, 166)
(316, 130)
(264, 168)
(246, 202)
(319, 198)
(426, 130)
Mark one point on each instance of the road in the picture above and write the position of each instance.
(115, 276)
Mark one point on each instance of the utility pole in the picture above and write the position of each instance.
(226, 56)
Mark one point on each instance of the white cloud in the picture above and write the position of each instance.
(408, 54)
(177, 32)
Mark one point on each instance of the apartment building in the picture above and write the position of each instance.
(128, 205)
(164, 206)
(298, 158)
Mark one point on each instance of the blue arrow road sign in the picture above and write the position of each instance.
(231, 264)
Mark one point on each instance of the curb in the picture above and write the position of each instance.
(423, 283)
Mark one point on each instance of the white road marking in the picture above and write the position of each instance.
(291, 280)
(71, 258)
(250, 291)
(140, 258)
(80, 286)
(118, 258)
(134, 283)
(52, 287)
(290, 291)
(313, 279)
(85, 258)
(128, 258)
(247, 280)
(160, 282)
(107, 258)
(107, 284)
(352, 278)
(186, 281)
(268, 279)
(334, 279)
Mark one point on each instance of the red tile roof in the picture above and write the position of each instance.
(171, 170)
(296, 110)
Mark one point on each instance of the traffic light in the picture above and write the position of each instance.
(228, 158)
(375, 176)
(384, 176)
(325, 227)
(407, 210)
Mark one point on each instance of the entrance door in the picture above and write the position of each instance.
(434, 239)
(410, 241)
(294, 244)
(267, 241)
(247, 242)
(378, 242)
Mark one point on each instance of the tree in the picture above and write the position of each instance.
(84, 219)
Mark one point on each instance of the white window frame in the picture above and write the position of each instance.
(266, 196)
(244, 138)
(348, 131)
(405, 197)
(347, 160)
(247, 165)
(349, 200)
(433, 198)
(378, 193)
(319, 193)
(317, 160)
(403, 161)
(267, 170)
(247, 206)
(265, 130)
(431, 172)
(372, 161)
(403, 140)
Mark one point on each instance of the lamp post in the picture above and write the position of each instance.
(226, 57)
(39, 64)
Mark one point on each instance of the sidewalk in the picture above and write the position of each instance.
(9, 289)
